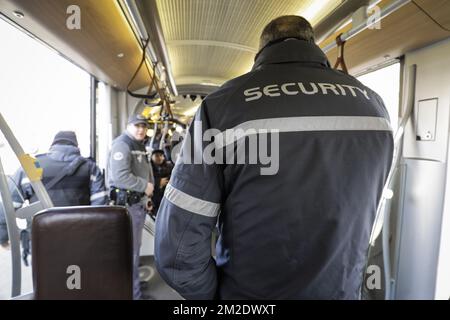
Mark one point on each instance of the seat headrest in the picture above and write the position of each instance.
(82, 253)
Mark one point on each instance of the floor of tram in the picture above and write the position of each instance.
(154, 287)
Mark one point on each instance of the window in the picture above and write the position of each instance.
(386, 82)
(41, 94)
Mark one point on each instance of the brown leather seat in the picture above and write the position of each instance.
(82, 253)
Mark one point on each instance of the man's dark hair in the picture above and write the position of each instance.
(286, 27)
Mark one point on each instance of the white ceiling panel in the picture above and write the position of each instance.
(216, 40)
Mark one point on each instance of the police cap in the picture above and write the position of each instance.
(138, 119)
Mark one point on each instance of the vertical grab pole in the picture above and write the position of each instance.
(29, 164)
(13, 233)
(383, 216)
(94, 85)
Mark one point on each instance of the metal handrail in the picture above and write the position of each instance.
(370, 21)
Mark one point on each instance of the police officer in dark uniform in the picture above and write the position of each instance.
(130, 181)
(70, 179)
(294, 227)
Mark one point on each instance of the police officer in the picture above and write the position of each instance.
(70, 179)
(295, 224)
(130, 180)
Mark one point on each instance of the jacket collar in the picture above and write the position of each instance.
(291, 50)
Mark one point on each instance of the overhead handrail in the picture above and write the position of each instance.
(395, 5)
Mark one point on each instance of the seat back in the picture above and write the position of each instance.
(82, 253)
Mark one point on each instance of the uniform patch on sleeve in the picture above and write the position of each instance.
(118, 156)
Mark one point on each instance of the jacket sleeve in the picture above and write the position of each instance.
(186, 217)
(120, 169)
(99, 196)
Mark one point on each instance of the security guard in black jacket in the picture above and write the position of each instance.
(70, 179)
(290, 161)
